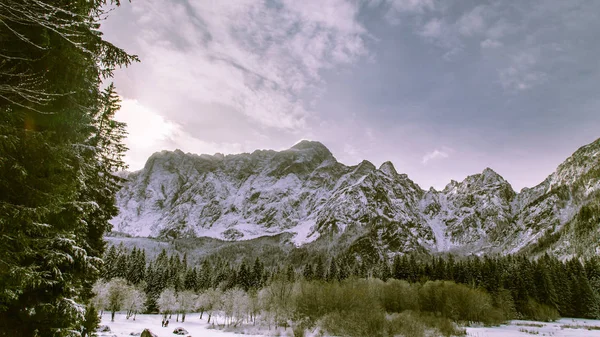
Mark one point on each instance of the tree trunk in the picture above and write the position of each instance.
(112, 316)
(201, 313)
(134, 314)
(209, 316)
(183, 318)
(177, 319)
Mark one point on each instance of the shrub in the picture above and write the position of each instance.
(405, 324)
(503, 301)
(399, 296)
(411, 323)
(540, 312)
(458, 302)
(355, 323)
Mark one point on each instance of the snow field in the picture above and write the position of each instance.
(562, 328)
(196, 327)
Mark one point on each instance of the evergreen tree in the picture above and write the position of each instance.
(244, 279)
(122, 265)
(343, 270)
(191, 280)
(91, 322)
(258, 270)
(319, 269)
(205, 278)
(110, 263)
(136, 268)
(332, 271)
(54, 203)
(290, 274)
(545, 290)
(308, 272)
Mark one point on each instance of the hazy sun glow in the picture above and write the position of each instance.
(149, 131)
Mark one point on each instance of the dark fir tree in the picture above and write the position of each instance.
(308, 272)
(319, 269)
(244, 277)
(56, 183)
(257, 275)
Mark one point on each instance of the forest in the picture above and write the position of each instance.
(406, 295)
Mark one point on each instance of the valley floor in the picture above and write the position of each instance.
(196, 327)
(565, 327)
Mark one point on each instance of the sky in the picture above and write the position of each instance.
(442, 89)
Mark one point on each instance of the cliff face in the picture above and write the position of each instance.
(305, 190)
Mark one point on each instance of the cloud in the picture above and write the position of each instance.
(435, 154)
(432, 29)
(258, 59)
(418, 6)
(473, 22)
(490, 44)
(521, 74)
(397, 8)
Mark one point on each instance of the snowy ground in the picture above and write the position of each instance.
(124, 327)
(199, 328)
(195, 326)
(565, 327)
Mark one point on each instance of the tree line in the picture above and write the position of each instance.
(541, 289)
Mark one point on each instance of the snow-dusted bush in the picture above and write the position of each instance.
(100, 299)
(167, 302)
(212, 301)
(235, 306)
(186, 301)
(135, 302)
(117, 291)
(277, 303)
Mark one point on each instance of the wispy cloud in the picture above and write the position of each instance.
(433, 28)
(472, 22)
(412, 5)
(522, 73)
(258, 59)
(436, 154)
(490, 44)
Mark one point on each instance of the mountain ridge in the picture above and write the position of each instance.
(305, 190)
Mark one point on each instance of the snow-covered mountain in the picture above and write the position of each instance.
(305, 190)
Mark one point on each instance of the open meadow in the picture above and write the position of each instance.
(196, 327)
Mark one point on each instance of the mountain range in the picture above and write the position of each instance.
(305, 191)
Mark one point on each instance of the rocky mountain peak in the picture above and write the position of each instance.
(585, 159)
(490, 176)
(486, 179)
(388, 168)
(365, 167)
(306, 144)
(307, 150)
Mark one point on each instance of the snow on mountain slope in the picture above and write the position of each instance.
(305, 190)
